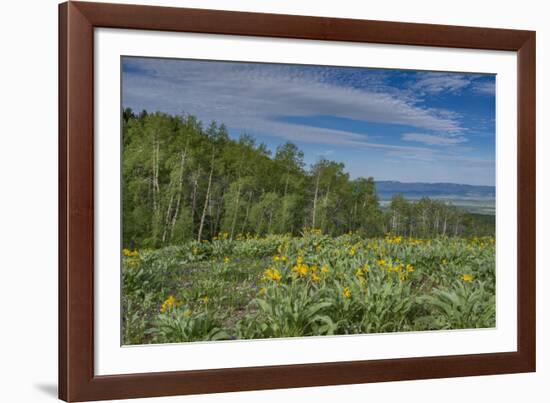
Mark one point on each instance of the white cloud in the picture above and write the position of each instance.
(485, 87)
(251, 99)
(440, 82)
(436, 83)
(432, 139)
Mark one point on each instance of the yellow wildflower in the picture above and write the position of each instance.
(130, 253)
(359, 273)
(410, 268)
(467, 278)
(346, 293)
(324, 269)
(262, 291)
(283, 258)
(205, 299)
(381, 262)
(300, 269)
(168, 303)
(276, 258)
(272, 274)
(226, 260)
(315, 277)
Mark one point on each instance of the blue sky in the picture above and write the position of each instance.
(410, 126)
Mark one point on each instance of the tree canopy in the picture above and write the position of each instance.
(183, 181)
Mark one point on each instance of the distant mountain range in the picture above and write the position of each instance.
(416, 190)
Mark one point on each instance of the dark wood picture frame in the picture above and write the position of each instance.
(77, 381)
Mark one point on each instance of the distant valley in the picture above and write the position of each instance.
(475, 199)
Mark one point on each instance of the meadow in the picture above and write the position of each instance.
(311, 284)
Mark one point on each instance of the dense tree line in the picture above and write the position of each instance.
(426, 218)
(183, 181)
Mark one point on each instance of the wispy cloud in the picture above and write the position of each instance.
(439, 82)
(432, 139)
(485, 87)
(436, 83)
(248, 98)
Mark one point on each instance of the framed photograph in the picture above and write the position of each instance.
(256, 201)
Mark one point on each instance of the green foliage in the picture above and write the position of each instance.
(465, 306)
(179, 324)
(182, 182)
(314, 284)
(287, 311)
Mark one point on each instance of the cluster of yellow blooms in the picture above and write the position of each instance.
(394, 240)
(130, 253)
(168, 303)
(278, 258)
(220, 236)
(482, 242)
(272, 274)
(399, 268)
(172, 302)
(312, 231)
(467, 278)
(302, 270)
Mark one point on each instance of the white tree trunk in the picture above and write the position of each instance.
(206, 199)
(179, 193)
(315, 199)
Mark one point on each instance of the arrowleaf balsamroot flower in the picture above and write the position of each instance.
(168, 303)
(272, 274)
(346, 293)
(130, 253)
